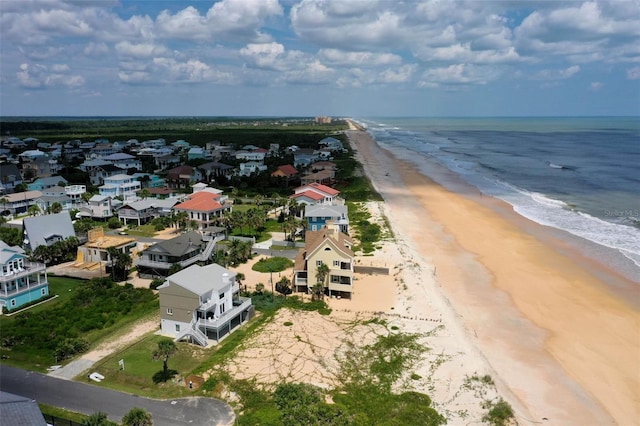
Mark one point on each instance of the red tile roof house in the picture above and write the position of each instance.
(204, 207)
(286, 172)
(321, 194)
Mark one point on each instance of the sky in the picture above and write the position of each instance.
(357, 58)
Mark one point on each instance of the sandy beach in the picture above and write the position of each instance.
(565, 349)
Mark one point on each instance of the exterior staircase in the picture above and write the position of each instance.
(194, 332)
(206, 253)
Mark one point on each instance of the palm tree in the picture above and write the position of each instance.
(166, 348)
(4, 201)
(33, 210)
(55, 208)
(144, 193)
(321, 276)
(137, 417)
(98, 419)
(239, 277)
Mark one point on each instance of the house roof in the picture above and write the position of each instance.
(119, 156)
(39, 228)
(214, 165)
(315, 239)
(7, 252)
(318, 187)
(20, 410)
(52, 180)
(109, 168)
(151, 202)
(202, 201)
(318, 210)
(160, 191)
(7, 170)
(288, 170)
(309, 194)
(179, 245)
(180, 170)
(20, 196)
(98, 198)
(201, 279)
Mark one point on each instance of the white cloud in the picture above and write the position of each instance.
(134, 77)
(140, 50)
(96, 49)
(457, 74)
(358, 59)
(191, 71)
(557, 74)
(40, 76)
(398, 75)
(596, 86)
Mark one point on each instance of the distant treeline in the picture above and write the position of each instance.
(196, 131)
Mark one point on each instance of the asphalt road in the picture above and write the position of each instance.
(88, 399)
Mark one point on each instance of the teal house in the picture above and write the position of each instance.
(21, 281)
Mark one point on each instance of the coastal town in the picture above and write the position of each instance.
(307, 269)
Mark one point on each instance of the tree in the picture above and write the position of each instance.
(114, 223)
(33, 210)
(145, 193)
(166, 348)
(283, 286)
(175, 267)
(321, 276)
(137, 417)
(55, 208)
(239, 277)
(4, 201)
(98, 419)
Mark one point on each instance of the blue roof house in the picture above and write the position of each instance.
(21, 282)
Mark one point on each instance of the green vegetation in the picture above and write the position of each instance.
(500, 413)
(147, 231)
(272, 264)
(366, 232)
(52, 332)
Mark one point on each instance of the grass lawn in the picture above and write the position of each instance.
(148, 231)
(139, 368)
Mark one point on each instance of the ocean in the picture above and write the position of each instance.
(579, 175)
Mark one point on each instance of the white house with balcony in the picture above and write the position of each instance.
(124, 161)
(200, 303)
(121, 185)
(75, 192)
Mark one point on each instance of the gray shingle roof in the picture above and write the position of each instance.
(20, 410)
(179, 245)
(39, 228)
(201, 279)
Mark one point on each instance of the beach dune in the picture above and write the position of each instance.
(565, 348)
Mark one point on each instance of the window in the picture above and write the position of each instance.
(336, 263)
(43, 291)
(221, 295)
(13, 302)
(318, 262)
(169, 311)
(335, 279)
(177, 328)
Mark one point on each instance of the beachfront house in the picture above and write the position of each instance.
(317, 193)
(319, 215)
(330, 247)
(121, 185)
(184, 250)
(143, 211)
(201, 303)
(21, 281)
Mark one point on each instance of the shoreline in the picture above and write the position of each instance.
(547, 323)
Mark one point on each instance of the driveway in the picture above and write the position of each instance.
(88, 399)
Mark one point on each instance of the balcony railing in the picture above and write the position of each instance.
(30, 268)
(22, 288)
(224, 319)
(166, 265)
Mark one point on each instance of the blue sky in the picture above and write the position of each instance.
(316, 57)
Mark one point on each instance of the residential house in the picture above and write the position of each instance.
(50, 196)
(197, 152)
(21, 281)
(41, 184)
(251, 167)
(98, 174)
(102, 150)
(19, 202)
(89, 165)
(75, 192)
(154, 143)
(163, 192)
(47, 229)
(99, 207)
(214, 169)
(124, 161)
(330, 247)
(10, 177)
(185, 250)
(320, 215)
(257, 154)
(166, 161)
(122, 185)
(148, 180)
(325, 177)
(41, 167)
(20, 410)
(95, 252)
(201, 303)
(31, 154)
(288, 173)
(332, 144)
(204, 207)
(143, 211)
(312, 190)
(323, 165)
(181, 177)
(181, 145)
(304, 157)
